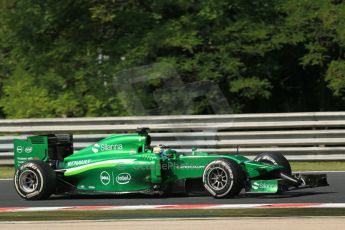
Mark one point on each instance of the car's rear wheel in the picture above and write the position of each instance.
(35, 180)
(276, 159)
(223, 178)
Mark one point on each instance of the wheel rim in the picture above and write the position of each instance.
(28, 181)
(218, 178)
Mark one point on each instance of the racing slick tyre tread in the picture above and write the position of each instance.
(35, 180)
(276, 159)
(230, 178)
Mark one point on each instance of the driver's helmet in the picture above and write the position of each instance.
(159, 149)
(163, 151)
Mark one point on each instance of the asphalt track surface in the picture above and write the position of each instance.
(335, 193)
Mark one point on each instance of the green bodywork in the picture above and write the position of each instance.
(34, 148)
(126, 163)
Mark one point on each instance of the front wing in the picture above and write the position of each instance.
(287, 183)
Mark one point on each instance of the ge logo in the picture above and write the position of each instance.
(105, 178)
(19, 149)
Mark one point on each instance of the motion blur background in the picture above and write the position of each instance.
(76, 58)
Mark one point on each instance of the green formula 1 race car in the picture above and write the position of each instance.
(126, 163)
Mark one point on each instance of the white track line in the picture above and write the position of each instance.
(173, 207)
(319, 172)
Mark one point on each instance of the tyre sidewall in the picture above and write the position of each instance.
(267, 158)
(41, 180)
(275, 159)
(229, 173)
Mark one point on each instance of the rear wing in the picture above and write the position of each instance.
(52, 147)
(33, 148)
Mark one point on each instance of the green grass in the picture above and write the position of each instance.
(318, 166)
(8, 171)
(196, 213)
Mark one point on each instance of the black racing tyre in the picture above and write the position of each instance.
(276, 159)
(223, 178)
(35, 180)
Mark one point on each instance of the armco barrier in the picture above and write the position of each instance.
(300, 136)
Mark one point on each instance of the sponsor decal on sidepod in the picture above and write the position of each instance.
(123, 178)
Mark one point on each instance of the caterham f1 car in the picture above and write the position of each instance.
(126, 163)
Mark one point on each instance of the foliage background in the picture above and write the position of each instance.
(78, 58)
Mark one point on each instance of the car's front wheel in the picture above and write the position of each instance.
(35, 180)
(223, 178)
(275, 159)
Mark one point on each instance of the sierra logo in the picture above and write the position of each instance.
(123, 178)
(105, 147)
(257, 185)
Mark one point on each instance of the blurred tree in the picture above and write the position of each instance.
(77, 58)
(315, 35)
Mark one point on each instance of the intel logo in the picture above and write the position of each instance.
(123, 178)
